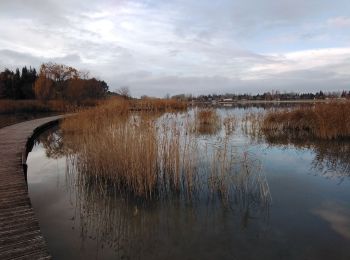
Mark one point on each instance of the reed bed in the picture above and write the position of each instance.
(158, 105)
(323, 121)
(207, 121)
(150, 157)
(323, 128)
(251, 124)
(230, 123)
(38, 106)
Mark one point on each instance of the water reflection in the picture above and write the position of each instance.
(170, 158)
(134, 228)
(337, 215)
(85, 217)
(257, 105)
(52, 141)
(331, 157)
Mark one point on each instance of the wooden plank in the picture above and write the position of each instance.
(20, 235)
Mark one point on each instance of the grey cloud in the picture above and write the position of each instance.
(69, 59)
(245, 17)
(180, 46)
(12, 59)
(312, 80)
(47, 12)
(145, 82)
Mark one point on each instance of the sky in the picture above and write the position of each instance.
(158, 47)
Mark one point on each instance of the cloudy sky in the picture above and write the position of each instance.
(185, 46)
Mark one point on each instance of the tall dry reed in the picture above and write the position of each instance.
(150, 157)
(323, 120)
(251, 122)
(207, 121)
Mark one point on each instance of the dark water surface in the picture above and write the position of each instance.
(307, 218)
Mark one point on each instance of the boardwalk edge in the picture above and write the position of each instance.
(31, 141)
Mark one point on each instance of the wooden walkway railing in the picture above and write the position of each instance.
(20, 235)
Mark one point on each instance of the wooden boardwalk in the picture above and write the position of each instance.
(20, 235)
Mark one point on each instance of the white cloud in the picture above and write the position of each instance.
(303, 60)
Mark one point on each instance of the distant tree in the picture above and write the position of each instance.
(320, 95)
(44, 87)
(344, 94)
(59, 74)
(6, 84)
(124, 92)
(63, 82)
(104, 87)
(74, 91)
(181, 97)
(268, 96)
(17, 88)
(28, 78)
(84, 74)
(80, 89)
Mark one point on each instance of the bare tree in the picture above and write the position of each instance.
(124, 91)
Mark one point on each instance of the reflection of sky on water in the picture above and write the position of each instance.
(309, 217)
(337, 215)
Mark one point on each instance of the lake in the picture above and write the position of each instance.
(295, 204)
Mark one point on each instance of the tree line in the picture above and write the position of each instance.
(267, 96)
(18, 84)
(54, 81)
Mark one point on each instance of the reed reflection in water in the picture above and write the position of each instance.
(331, 157)
(166, 157)
(226, 182)
(307, 219)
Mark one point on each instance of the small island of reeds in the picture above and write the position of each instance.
(157, 149)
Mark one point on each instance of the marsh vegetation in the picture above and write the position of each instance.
(155, 156)
(322, 121)
(158, 180)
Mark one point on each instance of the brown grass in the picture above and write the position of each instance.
(158, 105)
(37, 106)
(230, 123)
(207, 121)
(323, 121)
(116, 144)
(11, 106)
(251, 124)
(150, 157)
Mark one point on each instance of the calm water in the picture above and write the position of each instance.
(307, 218)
